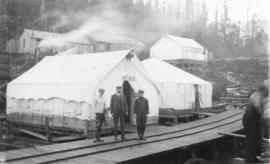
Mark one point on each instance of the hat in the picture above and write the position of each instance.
(101, 90)
(140, 91)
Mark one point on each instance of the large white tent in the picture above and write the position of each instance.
(64, 85)
(177, 86)
(170, 47)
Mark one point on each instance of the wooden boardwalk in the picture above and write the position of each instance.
(159, 139)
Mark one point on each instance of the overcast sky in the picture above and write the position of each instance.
(240, 10)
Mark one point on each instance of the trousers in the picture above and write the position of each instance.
(100, 118)
(141, 124)
(122, 125)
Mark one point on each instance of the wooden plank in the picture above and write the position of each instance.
(205, 113)
(242, 98)
(92, 160)
(179, 127)
(113, 156)
(102, 148)
(232, 134)
(142, 151)
(66, 138)
(33, 134)
(11, 145)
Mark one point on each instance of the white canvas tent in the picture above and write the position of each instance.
(65, 85)
(177, 86)
(170, 47)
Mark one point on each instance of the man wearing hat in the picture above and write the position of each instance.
(118, 109)
(100, 110)
(141, 110)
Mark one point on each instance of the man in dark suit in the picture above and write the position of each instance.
(118, 109)
(141, 110)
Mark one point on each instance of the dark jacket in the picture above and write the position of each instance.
(141, 106)
(118, 105)
(251, 123)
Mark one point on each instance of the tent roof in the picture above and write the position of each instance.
(84, 68)
(184, 41)
(161, 71)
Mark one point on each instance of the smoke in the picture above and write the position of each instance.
(106, 23)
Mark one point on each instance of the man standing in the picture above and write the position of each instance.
(118, 108)
(141, 110)
(251, 123)
(100, 110)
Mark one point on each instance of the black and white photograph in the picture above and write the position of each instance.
(134, 81)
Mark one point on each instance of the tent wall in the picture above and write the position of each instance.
(50, 107)
(206, 95)
(73, 91)
(182, 96)
(74, 100)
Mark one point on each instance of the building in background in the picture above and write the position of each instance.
(12, 46)
(40, 42)
(173, 48)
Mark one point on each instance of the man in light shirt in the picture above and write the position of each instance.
(100, 110)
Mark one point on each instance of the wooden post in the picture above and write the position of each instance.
(175, 120)
(47, 129)
(86, 128)
(8, 129)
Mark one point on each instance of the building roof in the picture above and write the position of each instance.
(40, 34)
(53, 37)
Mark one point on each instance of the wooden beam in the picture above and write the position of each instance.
(11, 145)
(232, 134)
(239, 98)
(34, 134)
(67, 138)
(205, 113)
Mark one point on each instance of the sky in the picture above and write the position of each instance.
(241, 10)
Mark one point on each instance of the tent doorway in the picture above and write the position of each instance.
(129, 94)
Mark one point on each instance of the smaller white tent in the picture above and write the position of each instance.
(177, 86)
(64, 85)
(170, 47)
